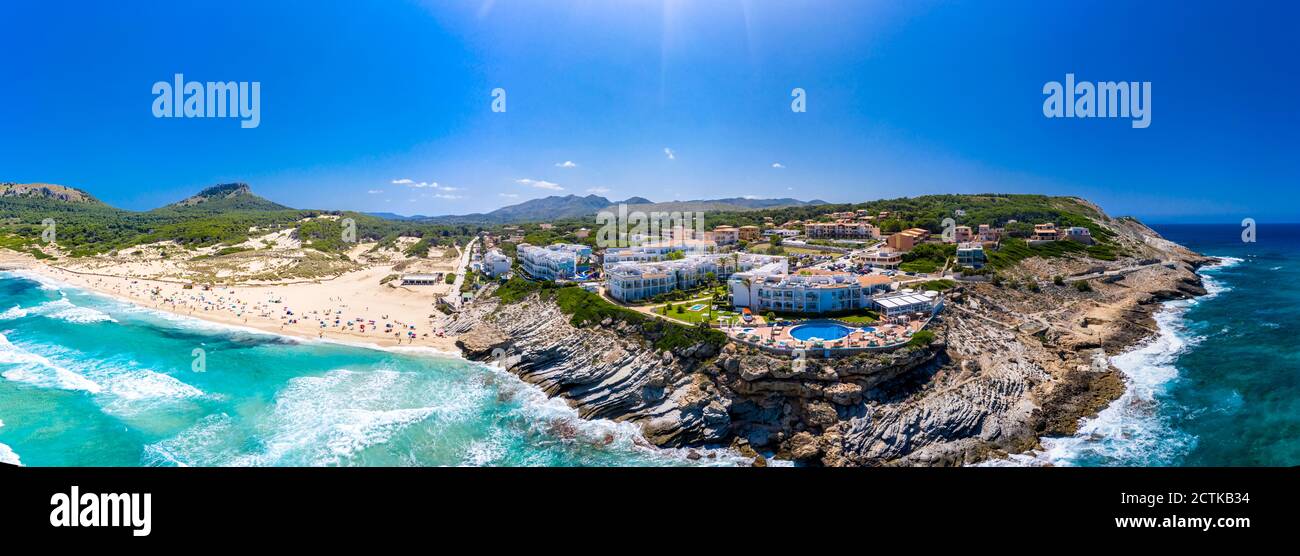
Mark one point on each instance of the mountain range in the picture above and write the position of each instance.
(557, 207)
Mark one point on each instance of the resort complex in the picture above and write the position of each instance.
(837, 278)
(560, 261)
(635, 281)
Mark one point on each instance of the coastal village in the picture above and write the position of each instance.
(846, 336)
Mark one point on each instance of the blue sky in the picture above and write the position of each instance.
(904, 98)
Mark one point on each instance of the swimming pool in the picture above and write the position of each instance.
(825, 330)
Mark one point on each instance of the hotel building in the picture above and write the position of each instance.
(658, 251)
(771, 288)
(841, 229)
(560, 261)
(726, 235)
(634, 281)
(749, 233)
(907, 239)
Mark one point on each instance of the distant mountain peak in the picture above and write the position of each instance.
(231, 196)
(47, 191)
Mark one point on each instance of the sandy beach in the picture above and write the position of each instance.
(351, 308)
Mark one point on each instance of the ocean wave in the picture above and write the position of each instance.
(207, 442)
(34, 369)
(60, 309)
(327, 420)
(43, 282)
(553, 420)
(1131, 430)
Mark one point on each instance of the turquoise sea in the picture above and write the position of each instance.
(92, 381)
(1220, 384)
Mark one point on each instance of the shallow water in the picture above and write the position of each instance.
(89, 380)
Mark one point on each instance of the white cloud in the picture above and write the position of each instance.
(446, 196)
(670, 153)
(375, 191)
(566, 164)
(509, 195)
(539, 184)
(750, 197)
(598, 190)
(778, 165)
(424, 184)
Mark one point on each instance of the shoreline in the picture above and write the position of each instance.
(260, 323)
(1111, 421)
(545, 407)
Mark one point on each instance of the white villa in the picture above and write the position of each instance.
(634, 281)
(560, 261)
(495, 263)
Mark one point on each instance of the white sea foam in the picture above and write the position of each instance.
(1131, 431)
(7, 454)
(208, 442)
(60, 309)
(553, 418)
(34, 369)
(328, 419)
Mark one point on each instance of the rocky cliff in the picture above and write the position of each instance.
(1011, 363)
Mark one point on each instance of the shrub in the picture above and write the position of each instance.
(1083, 286)
(1058, 280)
(922, 338)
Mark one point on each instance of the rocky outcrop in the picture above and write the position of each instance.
(1009, 365)
(605, 371)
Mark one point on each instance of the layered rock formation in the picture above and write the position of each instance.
(1009, 366)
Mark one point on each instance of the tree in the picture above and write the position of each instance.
(451, 278)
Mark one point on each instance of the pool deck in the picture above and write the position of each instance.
(777, 338)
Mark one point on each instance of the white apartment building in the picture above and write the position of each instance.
(496, 263)
(772, 289)
(559, 261)
(634, 281)
(657, 251)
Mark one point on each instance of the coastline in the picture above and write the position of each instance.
(1126, 431)
(553, 413)
(132, 291)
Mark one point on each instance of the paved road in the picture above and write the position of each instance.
(460, 273)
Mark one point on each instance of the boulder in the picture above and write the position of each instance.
(844, 393)
(804, 447)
